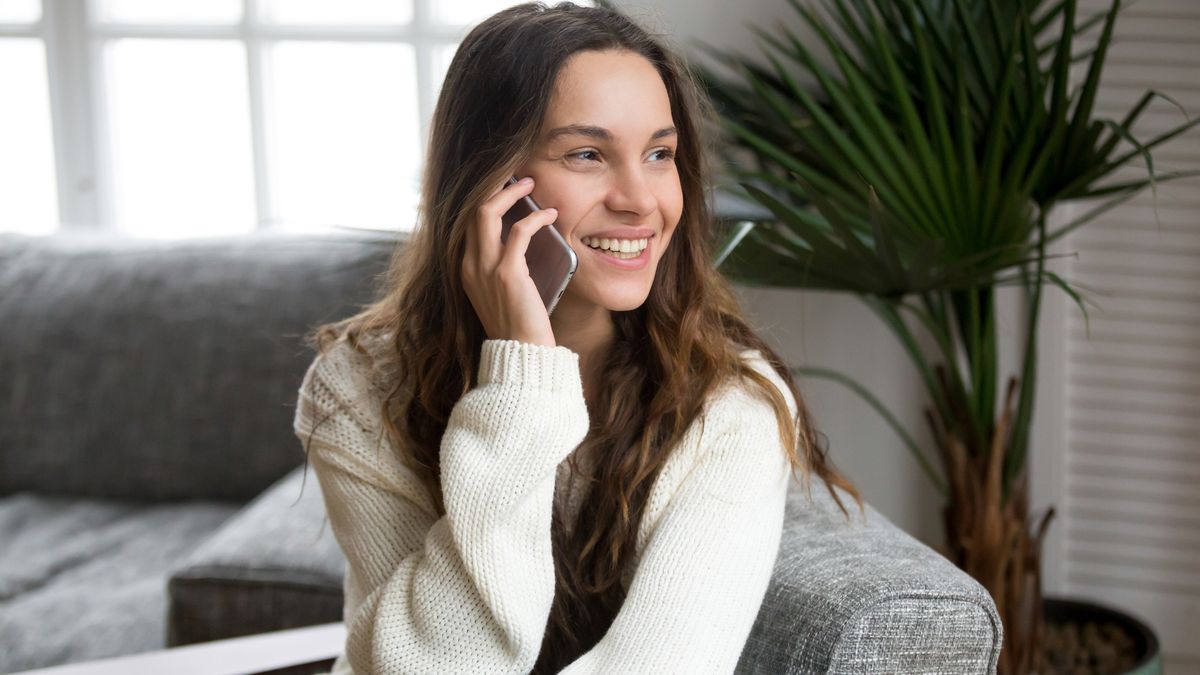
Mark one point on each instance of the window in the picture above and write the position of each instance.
(169, 118)
(28, 194)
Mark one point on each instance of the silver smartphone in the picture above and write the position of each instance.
(550, 259)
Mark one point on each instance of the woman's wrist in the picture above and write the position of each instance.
(530, 365)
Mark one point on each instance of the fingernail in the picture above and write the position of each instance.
(526, 180)
(552, 211)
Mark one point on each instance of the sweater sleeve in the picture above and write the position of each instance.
(704, 572)
(470, 591)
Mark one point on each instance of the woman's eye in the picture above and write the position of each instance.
(666, 154)
(581, 154)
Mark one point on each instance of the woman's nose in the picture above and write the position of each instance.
(631, 191)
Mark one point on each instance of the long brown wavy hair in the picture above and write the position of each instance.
(667, 357)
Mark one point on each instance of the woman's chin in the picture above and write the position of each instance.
(612, 299)
(624, 302)
(624, 307)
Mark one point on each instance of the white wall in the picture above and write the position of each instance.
(838, 331)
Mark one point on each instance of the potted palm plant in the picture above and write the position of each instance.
(919, 174)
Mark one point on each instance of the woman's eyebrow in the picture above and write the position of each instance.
(598, 132)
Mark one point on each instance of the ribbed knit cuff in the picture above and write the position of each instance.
(529, 365)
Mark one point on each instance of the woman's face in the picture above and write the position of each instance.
(606, 162)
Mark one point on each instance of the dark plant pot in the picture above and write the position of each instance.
(1148, 659)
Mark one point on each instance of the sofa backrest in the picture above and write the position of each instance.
(158, 370)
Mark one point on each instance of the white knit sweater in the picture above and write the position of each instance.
(470, 592)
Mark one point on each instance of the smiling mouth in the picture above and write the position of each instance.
(603, 245)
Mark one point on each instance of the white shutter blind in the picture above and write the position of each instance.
(1130, 503)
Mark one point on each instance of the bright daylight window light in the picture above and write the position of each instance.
(343, 121)
(442, 56)
(175, 152)
(464, 12)
(342, 12)
(169, 11)
(180, 144)
(20, 11)
(28, 196)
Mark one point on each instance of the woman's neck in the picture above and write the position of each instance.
(586, 329)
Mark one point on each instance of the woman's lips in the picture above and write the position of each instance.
(637, 263)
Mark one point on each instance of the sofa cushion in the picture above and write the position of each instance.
(866, 597)
(156, 370)
(274, 565)
(84, 579)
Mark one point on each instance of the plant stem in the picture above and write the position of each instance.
(1020, 433)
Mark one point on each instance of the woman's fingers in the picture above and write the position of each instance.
(494, 273)
(522, 231)
(491, 220)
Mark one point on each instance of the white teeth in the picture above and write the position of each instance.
(617, 245)
(618, 254)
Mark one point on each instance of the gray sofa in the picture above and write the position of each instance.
(152, 493)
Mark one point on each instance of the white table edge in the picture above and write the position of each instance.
(235, 656)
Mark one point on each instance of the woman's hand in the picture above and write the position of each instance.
(495, 275)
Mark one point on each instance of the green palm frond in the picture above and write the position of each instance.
(921, 156)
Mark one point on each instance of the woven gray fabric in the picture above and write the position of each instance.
(83, 579)
(915, 634)
(274, 565)
(855, 597)
(89, 409)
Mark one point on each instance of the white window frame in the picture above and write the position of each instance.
(74, 41)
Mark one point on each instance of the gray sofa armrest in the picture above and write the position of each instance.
(855, 597)
(273, 565)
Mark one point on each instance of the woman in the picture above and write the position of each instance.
(601, 490)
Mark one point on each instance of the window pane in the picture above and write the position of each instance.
(20, 11)
(442, 56)
(28, 197)
(468, 11)
(344, 133)
(461, 12)
(171, 11)
(181, 149)
(342, 12)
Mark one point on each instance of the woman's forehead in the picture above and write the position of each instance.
(619, 92)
